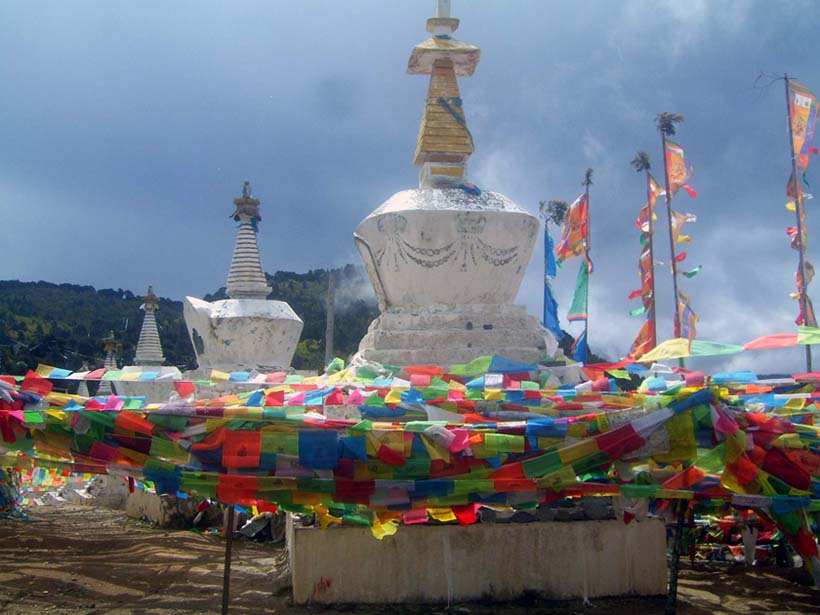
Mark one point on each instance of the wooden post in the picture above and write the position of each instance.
(651, 206)
(673, 255)
(226, 576)
(587, 249)
(330, 320)
(672, 596)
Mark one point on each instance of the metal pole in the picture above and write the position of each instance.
(587, 249)
(798, 210)
(226, 577)
(649, 195)
(672, 596)
(546, 271)
(330, 317)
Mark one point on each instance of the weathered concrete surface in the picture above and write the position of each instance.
(167, 511)
(445, 334)
(155, 391)
(489, 561)
(446, 266)
(242, 334)
(429, 246)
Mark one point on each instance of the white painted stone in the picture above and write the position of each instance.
(445, 334)
(242, 334)
(446, 246)
(149, 346)
(166, 511)
(107, 491)
(446, 266)
(582, 559)
(155, 391)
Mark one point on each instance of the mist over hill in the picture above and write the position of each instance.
(64, 324)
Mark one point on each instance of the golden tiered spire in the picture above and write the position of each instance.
(445, 143)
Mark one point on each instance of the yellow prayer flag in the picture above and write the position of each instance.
(443, 514)
(435, 451)
(670, 349)
(393, 397)
(572, 453)
(219, 376)
(44, 370)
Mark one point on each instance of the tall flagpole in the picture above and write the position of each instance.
(678, 328)
(651, 204)
(798, 210)
(587, 249)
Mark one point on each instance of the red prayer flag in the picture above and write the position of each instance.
(184, 388)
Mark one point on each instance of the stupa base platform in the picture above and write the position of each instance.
(446, 563)
(447, 334)
(158, 390)
(242, 334)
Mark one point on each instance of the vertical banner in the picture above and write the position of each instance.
(679, 174)
(550, 304)
(574, 235)
(646, 339)
(803, 111)
(578, 309)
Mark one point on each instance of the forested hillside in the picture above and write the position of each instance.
(64, 324)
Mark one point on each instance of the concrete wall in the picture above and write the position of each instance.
(495, 561)
(168, 511)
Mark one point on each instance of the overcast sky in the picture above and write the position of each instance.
(127, 128)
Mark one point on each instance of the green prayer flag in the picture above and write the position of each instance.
(702, 348)
(479, 365)
(808, 335)
(693, 272)
(578, 309)
(33, 417)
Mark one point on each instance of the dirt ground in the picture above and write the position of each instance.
(77, 560)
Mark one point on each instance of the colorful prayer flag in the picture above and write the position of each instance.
(803, 108)
(578, 309)
(685, 324)
(550, 304)
(645, 340)
(678, 220)
(579, 348)
(679, 173)
(574, 235)
(551, 312)
(654, 191)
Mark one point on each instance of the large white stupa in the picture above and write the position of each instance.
(446, 259)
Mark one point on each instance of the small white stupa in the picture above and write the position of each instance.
(446, 259)
(149, 357)
(246, 331)
(149, 347)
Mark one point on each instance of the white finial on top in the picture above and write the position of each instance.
(444, 8)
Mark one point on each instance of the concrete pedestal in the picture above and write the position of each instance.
(446, 334)
(155, 391)
(241, 334)
(423, 564)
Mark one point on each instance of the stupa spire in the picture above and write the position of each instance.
(246, 278)
(444, 143)
(111, 345)
(149, 347)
